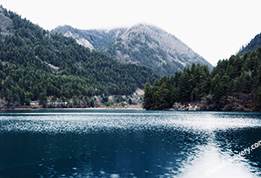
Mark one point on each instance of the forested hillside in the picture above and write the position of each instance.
(252, 45)
(234, 84)
(36, 64)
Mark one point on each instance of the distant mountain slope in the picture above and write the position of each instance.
(155, 48)
(93, 39)
(6, 24)
(252, 45)
(35, 63)
(141, 44)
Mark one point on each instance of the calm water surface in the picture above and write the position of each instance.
(116, 144)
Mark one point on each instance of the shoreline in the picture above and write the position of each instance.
(96, 108)
(106, 108)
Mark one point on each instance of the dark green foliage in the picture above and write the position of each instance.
(36, 64)
(239, 75)
(187, 86)
(258, 98)
(43, 99)
(147, 100)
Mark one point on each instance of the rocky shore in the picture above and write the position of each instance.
(241, 102)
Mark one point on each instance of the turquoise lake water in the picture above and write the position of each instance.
(103, 143)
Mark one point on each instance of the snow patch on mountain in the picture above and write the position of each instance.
(81, 41)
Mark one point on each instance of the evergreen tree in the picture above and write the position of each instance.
(258, 98)
(147, 98)
(43, 99)
(229, 80)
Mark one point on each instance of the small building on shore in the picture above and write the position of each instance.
(34, 104)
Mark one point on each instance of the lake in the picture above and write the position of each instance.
(124, 143)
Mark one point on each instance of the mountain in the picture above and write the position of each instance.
(36, 64)
(5, 24)
(155, 48)
(93, 39)
(252, 45)
(141, 44)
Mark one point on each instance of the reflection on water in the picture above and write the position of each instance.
(129, 144)
(211, 162)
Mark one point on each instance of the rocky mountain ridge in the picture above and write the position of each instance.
(93, 39)
(140, 44)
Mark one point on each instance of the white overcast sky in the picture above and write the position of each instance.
(215, 29)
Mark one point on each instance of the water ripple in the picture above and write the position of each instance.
(91, 122)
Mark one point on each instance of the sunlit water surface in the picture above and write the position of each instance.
(116, 144)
